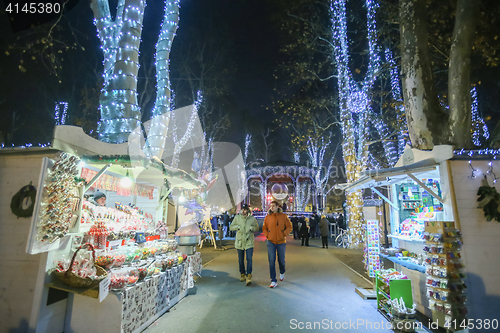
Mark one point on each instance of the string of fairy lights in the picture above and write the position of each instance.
(168, 31)
(60, 116)
(316, 150)
(354, 100)
(296, 157)
(479, 127)
(397, 96)
(120, 40)
(178, 145)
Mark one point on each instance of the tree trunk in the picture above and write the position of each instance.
(157, 134)
(355, 218)
(163, 47)
(424, 115)
(353, 166)
(459, 73)
(120, 41)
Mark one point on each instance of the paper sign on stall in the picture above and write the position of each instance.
(104, 288)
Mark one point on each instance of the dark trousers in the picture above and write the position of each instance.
(241, 260)
(324, 240)
(306, 239)
(271, 255)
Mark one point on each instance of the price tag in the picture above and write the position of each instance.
(104, 288)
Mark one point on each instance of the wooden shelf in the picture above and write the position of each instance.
(89, 292)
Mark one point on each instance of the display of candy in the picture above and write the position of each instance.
(137, 255)
(152, 271)
(119, 260)
(141, 273)
(132, 279)
(118, 281)
(145, 253)
(129, 257)
(105, 261)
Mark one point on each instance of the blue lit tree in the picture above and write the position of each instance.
(120, 40)
(355, 103)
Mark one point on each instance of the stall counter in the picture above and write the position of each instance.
(136, 307)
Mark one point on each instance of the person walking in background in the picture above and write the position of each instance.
(284, 206)
(225, 224)
(313, 223)
(340, 222)
(304, 230)
(295, 225)
(276, 227)
(324, 225)
(231, 232)
(245, 224)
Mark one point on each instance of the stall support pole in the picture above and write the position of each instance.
(386, 239)
(176, 216)
(431, 192)
(96, 177)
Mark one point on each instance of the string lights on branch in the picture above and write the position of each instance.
(60, 115)
(479, 127)
(178, 145)
(397, 96)
(491, 173)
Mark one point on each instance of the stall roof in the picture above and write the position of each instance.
(382, 177)
(74, 140)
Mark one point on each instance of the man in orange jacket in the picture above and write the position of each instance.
(276, 227)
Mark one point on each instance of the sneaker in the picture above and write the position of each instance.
(273, 285)
(282, 277)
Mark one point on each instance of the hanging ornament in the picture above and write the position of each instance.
(196, 165)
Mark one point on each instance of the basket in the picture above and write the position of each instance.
(75, 280)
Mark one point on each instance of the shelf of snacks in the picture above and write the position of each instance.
(391, 286)
(444, 272)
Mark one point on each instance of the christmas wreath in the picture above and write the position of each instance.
(16, 205)
(489, 201)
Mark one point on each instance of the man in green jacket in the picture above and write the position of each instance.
(246, 225)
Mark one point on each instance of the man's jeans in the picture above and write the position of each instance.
(271, 255)
(241, 259)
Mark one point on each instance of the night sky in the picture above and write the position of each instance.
(244, 24)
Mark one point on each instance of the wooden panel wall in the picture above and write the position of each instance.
(18, 270)
(481, 250)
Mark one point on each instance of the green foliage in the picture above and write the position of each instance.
(489, 201)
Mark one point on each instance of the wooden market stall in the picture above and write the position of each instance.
(442, 185)
(27, 261)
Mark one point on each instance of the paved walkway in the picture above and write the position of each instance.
(317, 288)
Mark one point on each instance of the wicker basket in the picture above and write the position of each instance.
(75, 280)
